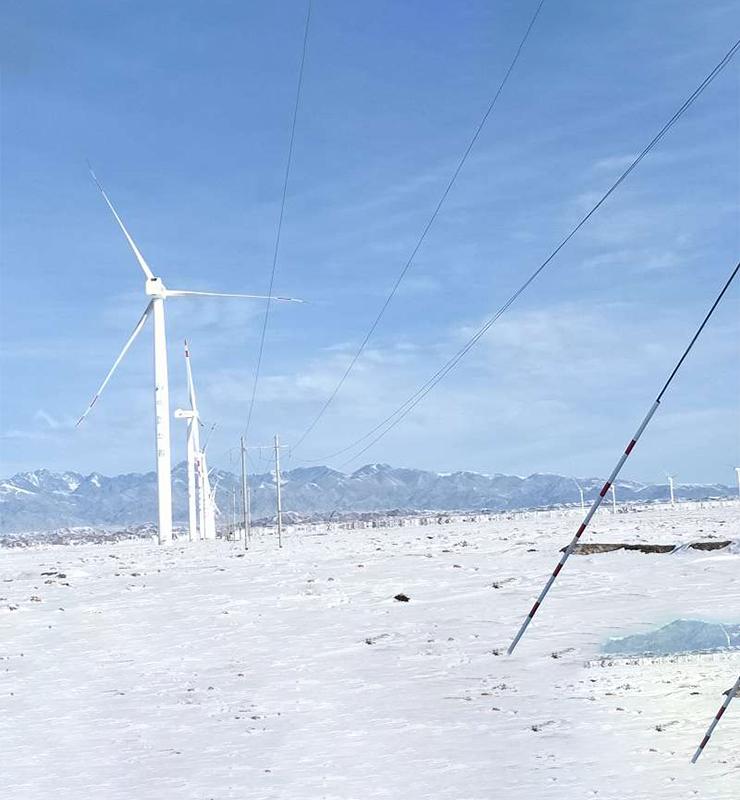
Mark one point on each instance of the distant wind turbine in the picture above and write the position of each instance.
(670, 486)
(207, 496)
(580, 490)
(210, 509)
(197, 497)
(157, 292)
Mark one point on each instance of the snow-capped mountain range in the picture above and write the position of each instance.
(42, 500)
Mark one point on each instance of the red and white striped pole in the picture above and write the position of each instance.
(615, 472)
(730, 694)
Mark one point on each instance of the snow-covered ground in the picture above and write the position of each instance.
(204, 672)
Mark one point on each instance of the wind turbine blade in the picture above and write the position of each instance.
(208, 436)
(136, 331)
(216, 509)
(132, 243)
(191, 386)
(184, 293)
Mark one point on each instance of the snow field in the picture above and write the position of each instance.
(201, 671)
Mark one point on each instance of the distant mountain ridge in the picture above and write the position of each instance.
(44, 500)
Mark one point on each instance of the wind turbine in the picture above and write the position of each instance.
(208, 507)
(189, 415)
(196, 495)
(670, 486)
(157, 293)
(580, 490)
(208, 499)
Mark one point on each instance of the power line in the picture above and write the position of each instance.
(424, 232)
(261, 348)
(386, 425)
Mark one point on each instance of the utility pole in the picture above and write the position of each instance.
(737, 470)
(277, 492)
(233, 513)
(278, 497)
(245, 495)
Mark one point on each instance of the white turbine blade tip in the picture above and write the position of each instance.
(132, 244)
(87, 410)
(191, 293)
(137, 329)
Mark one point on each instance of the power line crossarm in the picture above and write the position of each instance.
(617, 469)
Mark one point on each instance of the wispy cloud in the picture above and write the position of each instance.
(54, 423)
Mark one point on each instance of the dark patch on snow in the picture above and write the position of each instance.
(592, 548)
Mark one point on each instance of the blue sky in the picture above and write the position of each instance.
(184, 109)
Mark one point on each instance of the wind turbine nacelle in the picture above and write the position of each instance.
(181, 413)
(155, 288)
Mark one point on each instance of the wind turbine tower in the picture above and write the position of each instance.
(157, 293)
(197, 500)
(192, 420)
